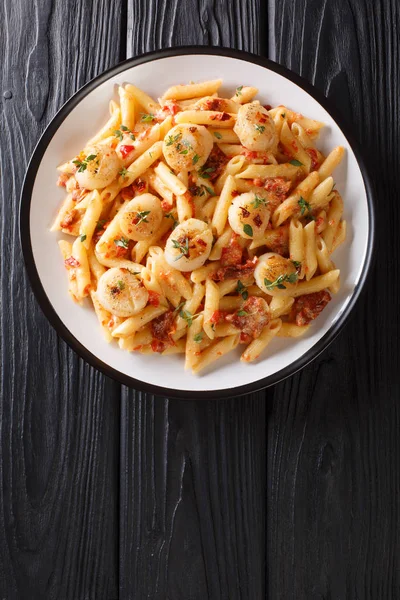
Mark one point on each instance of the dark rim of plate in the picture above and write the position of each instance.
(33, 275)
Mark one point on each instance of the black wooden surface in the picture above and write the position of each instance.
(292, 493)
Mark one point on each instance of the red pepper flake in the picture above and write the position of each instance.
(257, 221)
(267, 106)
(71, 262)
(140, 185)
(234, 193)
(201, 242)
(154, 298)
(222, 116)
(125, 150)
(245, 212)
(258, 182)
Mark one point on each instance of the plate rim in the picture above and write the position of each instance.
(29, 260)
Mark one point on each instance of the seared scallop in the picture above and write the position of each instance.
(249, 214)
(275, 275)
(255, 128)
(98, 168)
(189, 245)
(186, 147)
(121, 293)
(141, 217)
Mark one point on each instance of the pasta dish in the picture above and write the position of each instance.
(201, 223)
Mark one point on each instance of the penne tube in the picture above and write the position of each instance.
(112, 124)
(202, 273)
(334, 215)
(310, 255)
(292, 330)
(320, 195)
(133, 324)
(96, 268)
(193, 340)
(296, 243)
(141, 145)
(82, 270)
(230, 303)
(215, 352)
(223, 136)
(255, 347)
(67, 206)
(231, 149)
(233, 167)
(325, 262)
(66, 252)
(264, 171)
(244, 94)
(170, 179)
(141, 164)
(206, 117)
(294, 148)
(127, 103)
(340, 235)
(90, 218)
(103, 317)
(291, 206)
(145, 101)
(280, 305)
(223, 203)
(211, 303)
(221, 243)
(331, 162)
(192, 90)
(316, 284)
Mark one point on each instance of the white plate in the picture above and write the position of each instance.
(81, 116)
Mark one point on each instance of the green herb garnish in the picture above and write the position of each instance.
(296, 163)
(141, 215)
(123, 172)
(248, 230)
(279, 281)
(259, 201)
(198, 337)
(239, 90)
(171, 139)
(304, 205)
(242, 313)
(122, 242)
(83, 237)
(218, 135)
(147, 118)
(121, 284)
(259, 128)
(183, 248)
(82, 164)
(241, 289)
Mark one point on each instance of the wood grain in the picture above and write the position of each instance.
(333, 443)
(59, 419)
(192, 473)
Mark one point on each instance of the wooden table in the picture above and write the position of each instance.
(290, 493)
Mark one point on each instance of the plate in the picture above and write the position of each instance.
(82, 116)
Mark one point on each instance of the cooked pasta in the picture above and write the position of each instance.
(200, 223)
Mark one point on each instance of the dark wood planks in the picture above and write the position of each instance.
(192, 473)
(333, 430)
(59, 419)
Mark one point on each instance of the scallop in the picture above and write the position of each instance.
(275, 275)
(121, 293)
(189, 245)
(255, 128)
(141, 217)
(99, 168)
(187, 147)
(249, 214)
